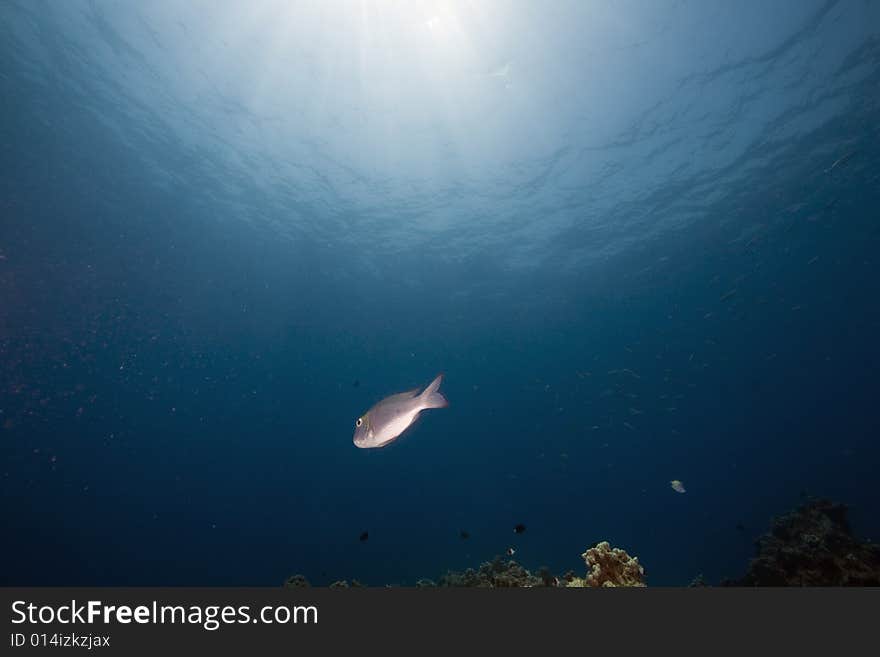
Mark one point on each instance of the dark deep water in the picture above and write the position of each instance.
(630, 250)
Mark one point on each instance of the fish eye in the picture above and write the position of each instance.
(359, 422)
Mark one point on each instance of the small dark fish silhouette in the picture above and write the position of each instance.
(519, 529)
(464, 534)
(740, 527)
(510, 552)
(356, 383)
(364, 536)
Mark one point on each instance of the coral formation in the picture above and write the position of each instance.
(813, 546)
(299, 581)
(497, 573)
(609, 567)
(296, 581)
(697, 582)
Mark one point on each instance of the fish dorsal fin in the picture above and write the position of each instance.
(409, 394)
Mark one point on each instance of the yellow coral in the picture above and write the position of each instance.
(610, 567)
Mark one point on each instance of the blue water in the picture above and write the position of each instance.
(640, 239)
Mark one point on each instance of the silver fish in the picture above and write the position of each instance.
(388, 419)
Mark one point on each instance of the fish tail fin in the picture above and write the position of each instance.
(432, 397)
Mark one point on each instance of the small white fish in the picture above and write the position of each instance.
(677, 486)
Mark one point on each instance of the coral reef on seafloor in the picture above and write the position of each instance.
(299, 581)
(296, 582)
(498, 573)
(810, 546)
(607, 567)
(697, 582)
(610, 567)
(813, 546)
